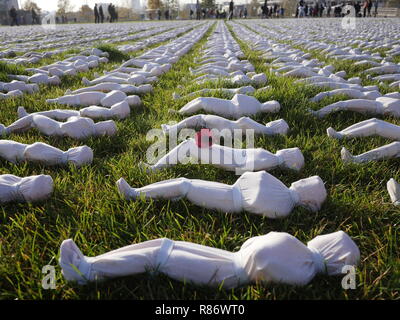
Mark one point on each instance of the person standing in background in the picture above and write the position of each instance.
(376, 4)
(101, 14)
(231, 6)
(96, 14)
(198, 10)
(14, 16)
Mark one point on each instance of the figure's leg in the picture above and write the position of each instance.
(57, 114)
(169, 189)
(208, 194)
(196, 121)
(20, 125)
(129, 260)
(175, 156)
(357, 105)
(368, 128)
(388, 151)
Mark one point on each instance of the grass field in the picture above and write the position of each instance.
(86, 206)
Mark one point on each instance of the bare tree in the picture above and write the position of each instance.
(154, 4)
(64, 6)
(29, 5)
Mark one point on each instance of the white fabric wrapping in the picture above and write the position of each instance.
(44, 153)
(275, 257)
(382, 105)
(109, 86)
(391, 150)
(74, 127)
(231, 158)
(92, 98)
(240, 105)
(393, 188)
(28, 189)
(367, 128)
(215, 122)
(255, 192)
(120, 110)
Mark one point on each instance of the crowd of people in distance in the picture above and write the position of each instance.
(99, 13)
(322, 8)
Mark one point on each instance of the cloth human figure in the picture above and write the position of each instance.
(18, 85)
(43, 153)
(74, 127)
(254, 192)
(215, 122)
(110, 86)
(93, 98)
(120, 110)
(38, 78)
(232, 91)
(351, 93)
(230, 159)
(240, 105)
(27, 189)
(274, 257)
(386, 105)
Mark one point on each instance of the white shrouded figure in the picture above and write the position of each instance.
(352, 93)
(18, 85)
(383, 105)
(274, 257)
(393, 188)
(109, 86)
(240, 105)
(39, 78)
(120, 110)
(137, 79)
(254, 192)
(74, 127)
(231, 159)
(367, 128)
(232, 91)
(28, 189)
(11, 94)
(215, 122)
(391, 150)
(43, 153)
(93, 98)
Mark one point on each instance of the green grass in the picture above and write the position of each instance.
(86, 206)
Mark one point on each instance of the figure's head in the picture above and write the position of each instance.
(337, 249)
(311, 191)
(36, 188)
(292, 158)
(80, 156)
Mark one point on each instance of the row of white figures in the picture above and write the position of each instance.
(275, 257)
(155, 36)
(220, 61)
(147, 67)
(68, 37)
(220, 45)
(50, 75)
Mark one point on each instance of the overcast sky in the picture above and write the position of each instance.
(50, 5)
